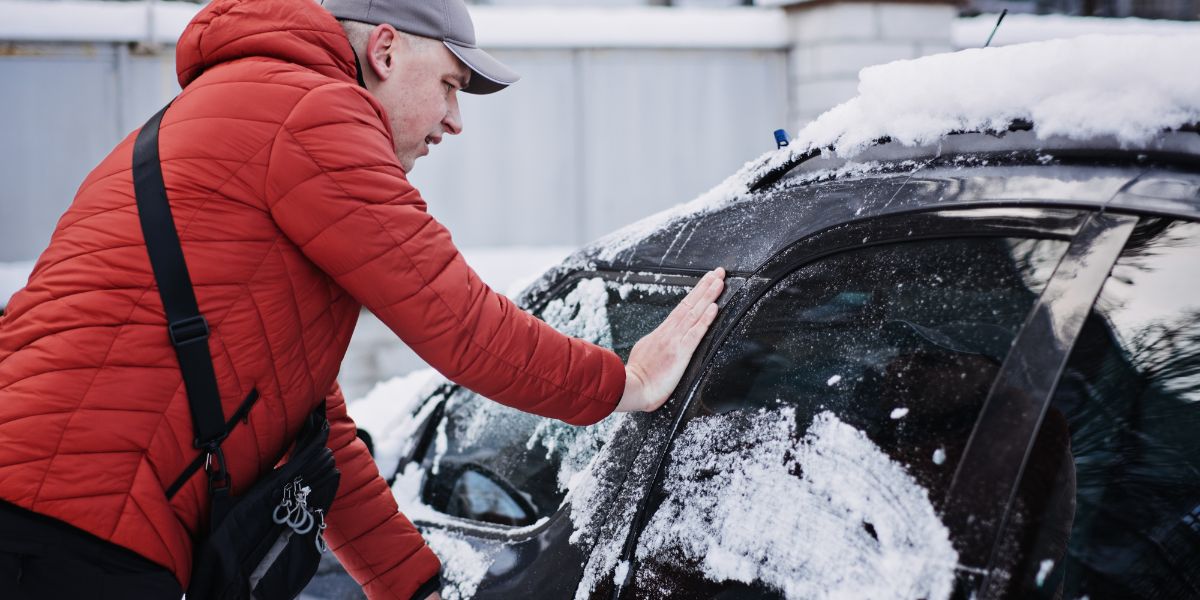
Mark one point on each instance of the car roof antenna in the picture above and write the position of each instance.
(781, 138)
(998, 22)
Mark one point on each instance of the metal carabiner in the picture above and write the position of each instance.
(305, 524)
(320, 537)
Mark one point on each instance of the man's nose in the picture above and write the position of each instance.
(453, 119)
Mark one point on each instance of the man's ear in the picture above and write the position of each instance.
(381, 45)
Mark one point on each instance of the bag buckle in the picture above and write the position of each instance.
(218, 478)
(189, 330)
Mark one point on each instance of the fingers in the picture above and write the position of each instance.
(692, 307)
(692, 337)
(657, 361)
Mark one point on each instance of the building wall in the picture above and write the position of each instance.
(592, 137)
(834, 41)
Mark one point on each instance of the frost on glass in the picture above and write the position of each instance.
(826, 514)
(543, 459)
(582, 313)
(605, 497)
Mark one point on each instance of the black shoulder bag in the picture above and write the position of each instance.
(266, 543)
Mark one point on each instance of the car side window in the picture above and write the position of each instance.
(831, 421)
(1126, 420)
(495, 464)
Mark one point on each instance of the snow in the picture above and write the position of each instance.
(388, 413)
(972, 32)
(899, 413)
(621, 572)
(583, 313)
(604, 499)
(741, 489)
(610, 247)
(1127, 87)
(463, 566)
(1043, 570)
(939, 456)
(833, 380)
(13, 276)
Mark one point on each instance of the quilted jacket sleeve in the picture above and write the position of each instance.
(378, 546)
(337, 191)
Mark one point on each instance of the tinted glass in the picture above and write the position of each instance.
(832, 420)
(495, 464)
(1120, 445)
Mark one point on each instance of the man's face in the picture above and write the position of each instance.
(417, 81)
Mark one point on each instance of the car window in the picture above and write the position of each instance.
(495, 464)
(831, 421)
(1120, 444)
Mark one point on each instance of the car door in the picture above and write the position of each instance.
(1121, 437)
(818, 449)
(512, 502)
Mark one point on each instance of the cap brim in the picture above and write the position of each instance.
(488, 75)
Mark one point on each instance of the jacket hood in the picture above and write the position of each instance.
(296, 31)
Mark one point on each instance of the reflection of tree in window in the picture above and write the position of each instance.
(1129, 395)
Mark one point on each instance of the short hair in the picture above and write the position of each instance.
(359, 32)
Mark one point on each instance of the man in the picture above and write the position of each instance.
(286, 176)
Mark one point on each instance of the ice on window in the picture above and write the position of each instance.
(743, 488)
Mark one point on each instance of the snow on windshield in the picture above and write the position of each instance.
(477, 422)
(582, 313)
(1127, 87)
(743, 488)
(463, 566)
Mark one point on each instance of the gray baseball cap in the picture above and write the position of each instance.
(445, 20)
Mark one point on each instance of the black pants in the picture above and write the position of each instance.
(45, 559)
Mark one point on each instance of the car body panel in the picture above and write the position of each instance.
(761, 236)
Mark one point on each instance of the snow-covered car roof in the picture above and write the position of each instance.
(965, 128)
(1128, 87)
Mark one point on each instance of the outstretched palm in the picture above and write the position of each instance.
(658, 360)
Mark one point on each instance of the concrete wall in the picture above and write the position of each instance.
(833, 41)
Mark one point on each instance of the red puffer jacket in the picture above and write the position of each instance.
(293, 214)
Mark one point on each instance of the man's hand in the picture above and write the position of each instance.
(434, 596)
(657, 361)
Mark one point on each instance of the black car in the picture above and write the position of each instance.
(963, 371)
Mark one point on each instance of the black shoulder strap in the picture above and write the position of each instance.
(186, 327)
